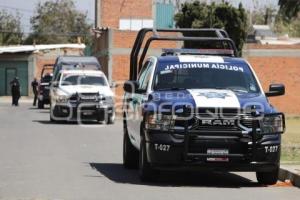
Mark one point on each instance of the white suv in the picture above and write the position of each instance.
(81, 95)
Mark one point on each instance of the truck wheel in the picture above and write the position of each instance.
(110, 119)
(40, 104)
(267, 178)
(145, 170)
(52, 114)
(51, 119)
(130, 153)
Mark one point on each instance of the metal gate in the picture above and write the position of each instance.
(9, 70)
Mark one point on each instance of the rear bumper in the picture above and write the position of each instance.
(167, 152)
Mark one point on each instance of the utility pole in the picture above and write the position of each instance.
(97, 13)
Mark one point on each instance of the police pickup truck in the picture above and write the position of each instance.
(199, 109)
(80, 91)
(44, 86)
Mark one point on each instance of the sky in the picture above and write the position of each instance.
(26, 7)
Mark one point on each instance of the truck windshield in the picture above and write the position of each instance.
(235, 77)
(83, 80)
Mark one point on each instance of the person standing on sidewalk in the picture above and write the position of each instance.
(34, 85)
(15, 91)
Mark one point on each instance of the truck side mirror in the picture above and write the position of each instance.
(131, 86)
(275, 90)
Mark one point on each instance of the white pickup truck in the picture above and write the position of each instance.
(81, 95)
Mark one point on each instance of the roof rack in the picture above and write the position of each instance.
(193, 35)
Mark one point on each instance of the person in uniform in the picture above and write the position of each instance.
(15, 91)
(34, 85)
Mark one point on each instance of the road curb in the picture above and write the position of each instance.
(289, 174)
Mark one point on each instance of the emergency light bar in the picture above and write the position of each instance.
(184, 51)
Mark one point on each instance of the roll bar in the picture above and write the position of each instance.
(46, 66)
(204, 35)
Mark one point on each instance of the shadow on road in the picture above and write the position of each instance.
(44, 111)
(48, 122)
(33, 108)
(117, 173)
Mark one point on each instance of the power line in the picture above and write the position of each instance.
(46, 34)
(18, 9)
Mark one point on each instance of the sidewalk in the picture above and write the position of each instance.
(23, 99)
(291, 173)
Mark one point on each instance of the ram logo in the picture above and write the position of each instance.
(218, 122)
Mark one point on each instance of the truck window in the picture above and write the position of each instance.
(238, 78)
(147, 76)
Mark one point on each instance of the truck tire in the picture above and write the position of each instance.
(110, 118)
(267, 178)
(145, 170)
(40, 104)
(52, 114)
(130, 153)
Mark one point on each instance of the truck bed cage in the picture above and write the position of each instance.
(46, 67)
(200, 35)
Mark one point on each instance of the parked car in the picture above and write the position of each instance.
(199, 109)
(81, 95)
(44, 86)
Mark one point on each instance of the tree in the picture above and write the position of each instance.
(289, 8)
(59, 22)
(223, 15)
(10, 29)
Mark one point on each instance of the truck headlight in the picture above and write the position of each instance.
(62, 99)
(273, 124)
(160, 122)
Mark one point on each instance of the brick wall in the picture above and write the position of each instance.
(40, 62)
(280, 70)
(125, 39)
(113, 10)
(270, 68)
(49, 57)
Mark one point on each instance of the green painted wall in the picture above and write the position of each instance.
(6, 68)
(164, 15)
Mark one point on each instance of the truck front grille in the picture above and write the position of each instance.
(85, 97)
(213, 119)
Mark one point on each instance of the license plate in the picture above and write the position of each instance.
(88, 97)
(217, 159)
(219, 152)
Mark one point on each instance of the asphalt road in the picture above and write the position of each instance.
(40, 160)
